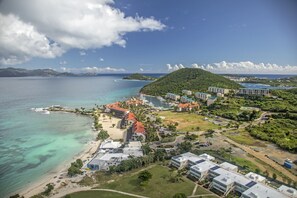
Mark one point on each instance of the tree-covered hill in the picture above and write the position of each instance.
(138, 76)
(187, 78)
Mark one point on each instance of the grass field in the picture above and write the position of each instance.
(243, 137)
(101, 194)
(187, 121)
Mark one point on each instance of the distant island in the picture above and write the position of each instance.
(187, 78)
(19, 72)
(138, 76)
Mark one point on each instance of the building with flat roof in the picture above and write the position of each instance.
(138, 131)
(109, 145)
(172, 96)
(200, 170)
(218, 90)
(103, 161)
(207, 157)
(290, 192)
(262, 191)
(202, 96)
(228, 166)
(133, 148)
(186, 99)
(187, 92)
(254, 91)
(211, 100)
(256, 177)
(185, 160)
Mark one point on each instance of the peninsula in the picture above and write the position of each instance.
(138, 76)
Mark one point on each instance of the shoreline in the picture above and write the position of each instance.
(59, 174)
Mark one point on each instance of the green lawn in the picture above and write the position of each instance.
(187, 121)
(243, 137)
(158, 186)
(97, 194)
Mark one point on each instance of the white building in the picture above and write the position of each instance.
(133, 149)
(229, 167)
(262, 191)
(218, 90)
(207, 157)
(104, 161)
(172, 96)
(185, 160)
(252, 91)
(109, 145)
(290, 192)
(211, 100)
(187, 92)
(185, 99)
(202, 96)
(200, 170)
(255, 177)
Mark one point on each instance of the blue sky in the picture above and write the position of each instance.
(244, 34)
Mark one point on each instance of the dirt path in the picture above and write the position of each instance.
(263, 158)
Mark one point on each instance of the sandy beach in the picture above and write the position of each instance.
(62, 183)
(59, 176)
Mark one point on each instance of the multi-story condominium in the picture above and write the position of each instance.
(116, 110)
(172, 96)
(260, 190)
(211, 100)
(187, 106)
(202, 96)
(229, 167)
(218, 90)
(185, 99)
(138, 131)
(104, 161)
(252, 91)
(200, 170)
(187, 92)
(185, 160)
(291, 192)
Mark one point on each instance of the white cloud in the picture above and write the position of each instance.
(82, 53)
(174, 67)
(94, 70)
(245, 67)
(47, 28)
(101, 59)
(20, 41)
(141, 69)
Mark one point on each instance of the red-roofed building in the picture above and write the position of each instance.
(116, 110)
(129, 119)
(187, 106)
(134, 102)
(138, 131)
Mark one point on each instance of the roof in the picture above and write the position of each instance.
(203, 166)
(110, 144)
(134, 144)
(255, 177)
(138, 127)
(116, 106)
(134, 101)
(262, 191)
(130, 116)
(207, 157)
(188, 105)
(228, 166)
(234, 176)
(288, 191)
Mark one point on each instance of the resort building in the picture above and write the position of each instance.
(229, 167)
(116, 110)
(262, 191)
(187, 92)
(104, 161)
(207, 157)
(256, 177)
(290, 192)
(252, 91)
(187, 106)
(128, 119)
(138, 131)
(200, 170)
(109, 145)
(172, 96)
(187, 160)
(202, 96)
(218, 90)
(133, 148)
(211, 100)
(185, 99)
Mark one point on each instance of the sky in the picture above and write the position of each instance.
(106, 36)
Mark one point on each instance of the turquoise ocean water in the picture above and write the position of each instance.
(31, 143)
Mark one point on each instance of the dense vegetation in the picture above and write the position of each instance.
(138, 76)
(75, 168)
(187, 78)
(282, 132)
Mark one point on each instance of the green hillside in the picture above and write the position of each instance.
(187, 78)
(138, 76)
